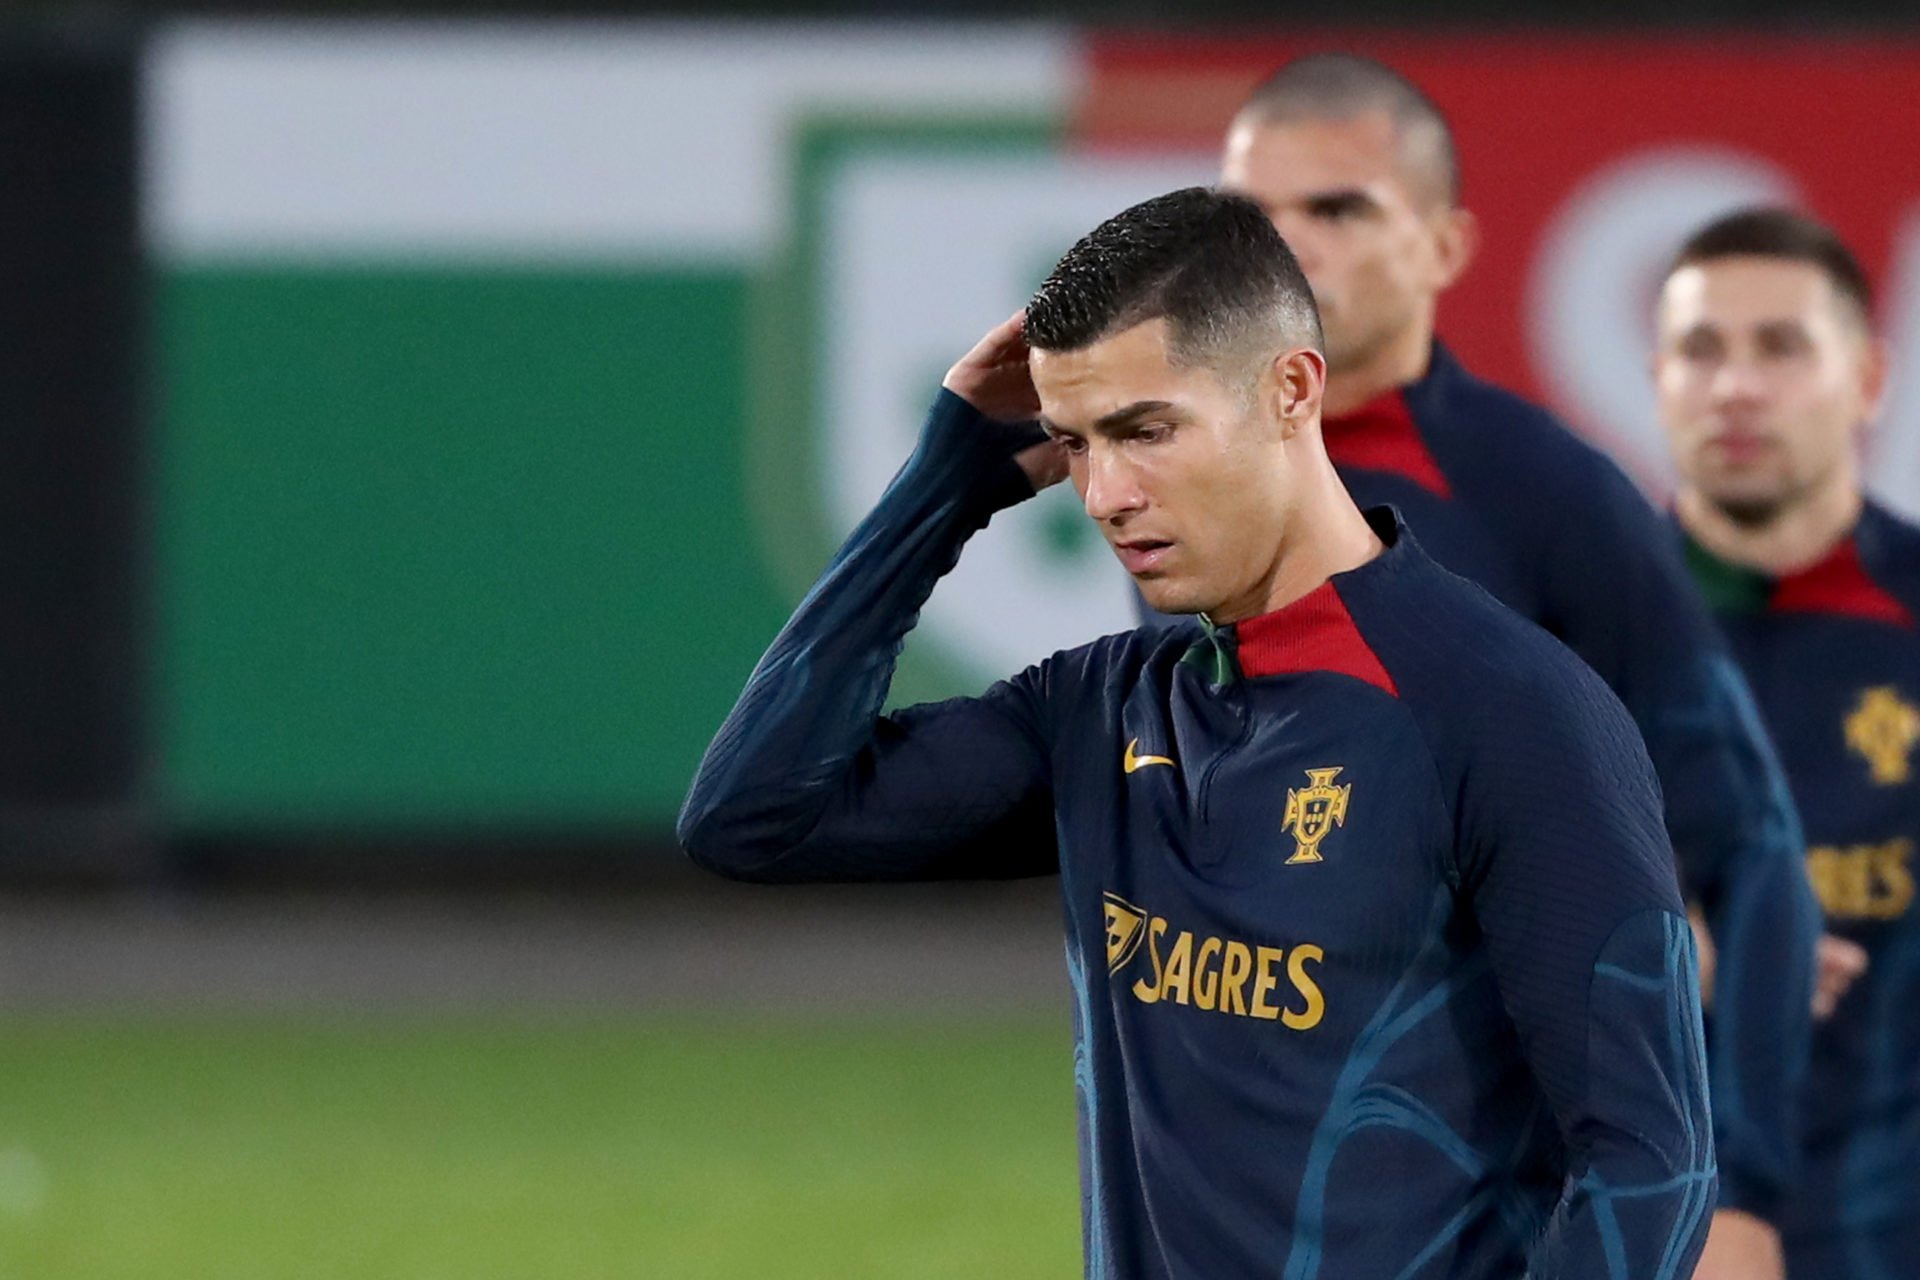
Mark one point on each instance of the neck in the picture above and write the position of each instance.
(1796, 536)
(1325, 535)
(1395, 364)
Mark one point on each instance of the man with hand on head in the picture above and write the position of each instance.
(1378, 960)
(1767, 372)
(1357, 169)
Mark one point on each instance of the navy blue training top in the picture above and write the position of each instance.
(1833, 655)
(1499, 491)
(1377, 950)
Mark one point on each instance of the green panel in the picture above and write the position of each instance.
(449, 546)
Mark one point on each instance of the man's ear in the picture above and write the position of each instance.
(1873, 375)
(1297, 382)
(1456, 243)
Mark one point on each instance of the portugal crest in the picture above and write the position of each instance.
(1883, 728)
(1314, 811)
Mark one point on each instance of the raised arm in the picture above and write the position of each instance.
(1573, 886)
(806, 780)
(1635, 617)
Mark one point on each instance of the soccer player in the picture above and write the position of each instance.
(1357, 169)
(1767, 371)
(1378, 960)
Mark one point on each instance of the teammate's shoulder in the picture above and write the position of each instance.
(1509, 432)
(1891, 536)
(1889, 546)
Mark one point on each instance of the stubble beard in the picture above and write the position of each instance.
(1750, 514)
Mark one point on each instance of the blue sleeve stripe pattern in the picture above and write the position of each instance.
(1764, 921)
(1354, 1105)
(1869, 1197)
(1087, 1091)
(1676, 982)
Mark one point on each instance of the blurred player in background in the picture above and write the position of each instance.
(1379, 963)
(1768, 371)
(1357, 169)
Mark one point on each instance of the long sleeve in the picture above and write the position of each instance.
(1633, 615)
(806, 780)
(1571, 883)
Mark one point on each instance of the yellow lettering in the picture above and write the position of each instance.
(1264, 981)
(1863, 881)
(1823, 871)
(1179, 976)
(1235, 971)
(1309, 1017)
(1149, 993)
(1891, 868)
(1855, 881)
(1206, 981)
(1212, 972)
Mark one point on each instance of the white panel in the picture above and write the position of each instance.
(571, 141)
(1893, 446)
(924, 254)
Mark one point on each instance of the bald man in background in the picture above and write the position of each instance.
(1357, 169)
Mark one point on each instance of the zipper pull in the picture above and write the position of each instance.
(1212, 654)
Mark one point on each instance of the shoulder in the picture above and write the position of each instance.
(1459, 401)
(1513, 440)
(1112, 662)
(1475, 675)
(1890, 552)
(1073, 689)
(1523, 737)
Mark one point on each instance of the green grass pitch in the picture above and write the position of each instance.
(536, 1149)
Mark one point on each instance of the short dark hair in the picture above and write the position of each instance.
(1772, 231)
(1210, 263)
(1340, 86)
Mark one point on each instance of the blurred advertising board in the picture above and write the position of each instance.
(516, 379)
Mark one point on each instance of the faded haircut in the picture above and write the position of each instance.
(1340, 86)
(1210, 263)
(1771, 231)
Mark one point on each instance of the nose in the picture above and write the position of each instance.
(1737, 380)
(1111, 489)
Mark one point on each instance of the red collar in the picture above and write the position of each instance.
(1314, 633)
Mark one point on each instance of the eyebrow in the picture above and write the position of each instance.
(1336, 193)
(1771, 325)
(1119, 418)
(1338, 196)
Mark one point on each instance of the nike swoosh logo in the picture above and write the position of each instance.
(1132, 762)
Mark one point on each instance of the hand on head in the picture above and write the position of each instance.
(994, 378)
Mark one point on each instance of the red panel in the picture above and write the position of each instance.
(1314, 633)
(1381, 436)
(1537, 116)
(1838, 584)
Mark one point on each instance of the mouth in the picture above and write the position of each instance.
(1740, 447)
(1141, 556)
